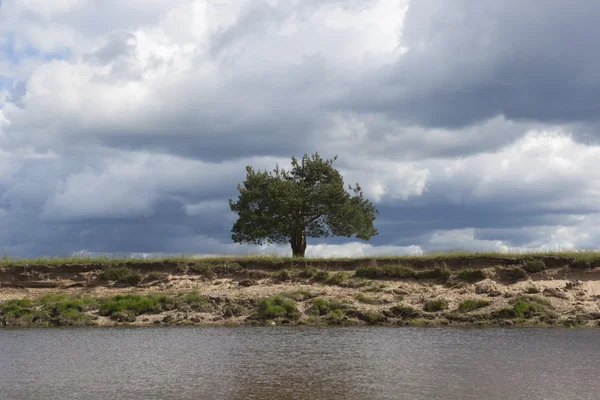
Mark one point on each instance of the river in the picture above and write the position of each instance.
(299, 363)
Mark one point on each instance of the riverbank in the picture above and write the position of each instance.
(455, 290)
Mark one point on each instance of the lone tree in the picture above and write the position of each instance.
(309, 200)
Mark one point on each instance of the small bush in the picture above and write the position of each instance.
(534, 266)
(471, 275)
(336, 278)
(368, 300)
(121, 275)
(405, 312)
(387, 271)
(580, 264)
(298, 295)
(285, 275)
(308, 273)
(324, 307)
(277, 307)
(442, 274)
(512, 274)
(134, 304)
(435, 305)
(321, 276)
(472, 304)
(527, 309)
(155, 276)
(532, 290)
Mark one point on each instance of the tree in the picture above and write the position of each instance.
(308, 200)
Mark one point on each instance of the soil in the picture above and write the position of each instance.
(571, 296)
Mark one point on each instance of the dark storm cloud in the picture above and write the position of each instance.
(469, 61)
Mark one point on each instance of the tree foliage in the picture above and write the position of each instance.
(307, 201)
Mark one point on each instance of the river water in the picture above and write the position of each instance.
(299, 363)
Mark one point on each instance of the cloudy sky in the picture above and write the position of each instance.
(125, 125)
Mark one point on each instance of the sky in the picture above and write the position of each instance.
(126, 125)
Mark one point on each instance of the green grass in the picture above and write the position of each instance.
(472, 304)
(277, 307)
(435, 305)
(584, 254)
(471, 275)
(121, 275)
(442, 274)
(62, 309)
(405, 312)
(534, 266)
(335, 279)
(385, 271)
(298, 295)
(368, 300)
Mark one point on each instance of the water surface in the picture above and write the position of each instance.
(299, 363)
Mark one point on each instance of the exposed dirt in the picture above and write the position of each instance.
(571, 296)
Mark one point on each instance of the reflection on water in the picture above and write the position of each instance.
(299, 363)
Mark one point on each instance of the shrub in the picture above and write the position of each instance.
(471, 275)
(436, 273)
(527, 309)
(435, 305)
(472, 304)
(387, 271)
(324, 307)
(534, 266)
(405, 312)
(321, 276)
(581, 264)
(368, 300)
(277, 307)
(512, 274)
(285, 275)
(308, 273)
(335, 279)
(134, 304)
(121, 275)
(532, 290)
(298, 295)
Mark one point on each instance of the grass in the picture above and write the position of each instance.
(435, 305)
(471, 275)
(534, 266)
(277, 307)
(64, 310)
(512, 274)
(298, 295)
(368, 300)
(121, 275)
(472, 304)
(116, 259)
(405, 312)
(385, 271)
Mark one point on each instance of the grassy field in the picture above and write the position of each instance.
(585, 255)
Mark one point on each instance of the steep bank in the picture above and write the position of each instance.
(483, 291)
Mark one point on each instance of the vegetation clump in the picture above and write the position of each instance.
(405, 312)
(435, 305)
(385, 271)
(580, 264)
(471, 275)
(122, 275)
(369, 300)
(534, 266)
(439, 273)
(277, 307)
(472, 304)
(512, 274)
(212, 270)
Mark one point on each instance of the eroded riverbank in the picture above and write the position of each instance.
(543, 291)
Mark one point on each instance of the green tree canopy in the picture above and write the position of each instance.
(308, 200)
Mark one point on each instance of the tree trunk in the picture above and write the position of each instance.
(298, 242)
